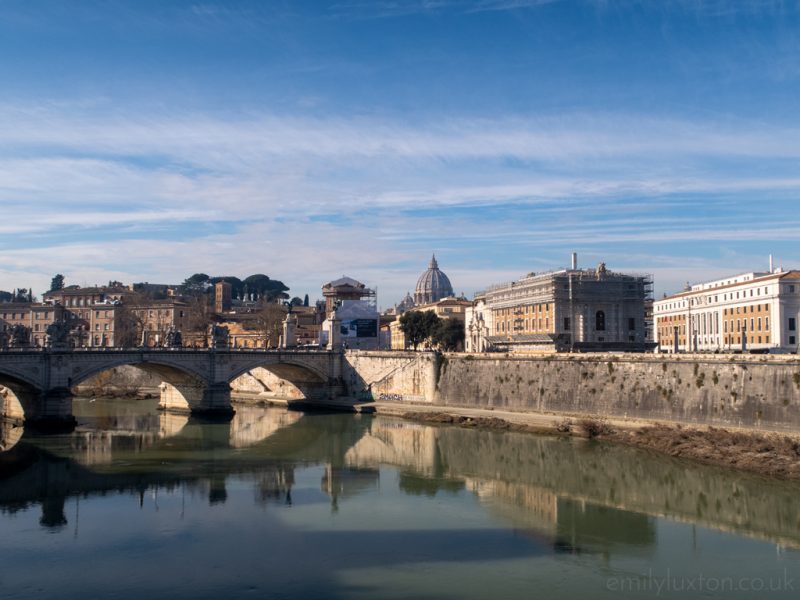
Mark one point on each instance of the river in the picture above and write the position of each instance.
(278, 504)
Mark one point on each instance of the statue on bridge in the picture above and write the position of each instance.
(18, 337)
(58, 335)
(173, 338)
(219, 336)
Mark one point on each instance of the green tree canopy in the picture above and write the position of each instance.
(196, 284)
(418, 326)
(57, 283)
(6, 296)
(266, 288)
(449, 335)
(237, 285)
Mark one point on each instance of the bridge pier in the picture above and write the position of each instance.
(52, 411)
(212, 400)
(216, 401)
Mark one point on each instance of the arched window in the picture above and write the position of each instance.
(600, 321)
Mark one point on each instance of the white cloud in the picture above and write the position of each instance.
(290, 195)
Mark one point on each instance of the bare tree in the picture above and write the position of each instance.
(270, 318)
(129, 328)
(199, 316)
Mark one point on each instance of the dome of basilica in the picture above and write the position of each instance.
(432, 285)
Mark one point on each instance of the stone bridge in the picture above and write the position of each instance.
(35, 385)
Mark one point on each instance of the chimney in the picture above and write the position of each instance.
(574, 261)
(771, 270)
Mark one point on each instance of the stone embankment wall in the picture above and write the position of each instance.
(742, 391)
(397, 376)
(124, 379)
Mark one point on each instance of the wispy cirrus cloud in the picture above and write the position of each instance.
(382, 194)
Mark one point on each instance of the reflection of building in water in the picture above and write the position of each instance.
(118, 433)
(99, 447)
(573, 525)
(346, 482)
(252, 424)
(601, 528)
(395, 442)
(526, 506)
(275, 485)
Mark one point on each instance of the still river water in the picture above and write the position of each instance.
(139, 504)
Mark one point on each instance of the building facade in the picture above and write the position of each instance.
(96, 317)
(571, 309)
(345, 288)
(757, 312)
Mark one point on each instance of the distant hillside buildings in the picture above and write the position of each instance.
(572, 309)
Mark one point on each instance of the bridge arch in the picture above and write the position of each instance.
(182, 386)
(18, 395)
(308, 381)
(171, 371)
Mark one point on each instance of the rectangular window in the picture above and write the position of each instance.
(631, 324)
(766, 323)
(566, 323)
(792, 324)
(792, 340)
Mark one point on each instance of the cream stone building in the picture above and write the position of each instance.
(757, 312)
(570, 309)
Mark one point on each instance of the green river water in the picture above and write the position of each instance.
(280, 504)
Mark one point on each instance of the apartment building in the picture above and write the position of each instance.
(750, 312)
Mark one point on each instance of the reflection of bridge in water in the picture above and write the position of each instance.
(570, 492)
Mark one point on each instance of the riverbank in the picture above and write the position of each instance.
(768, 454)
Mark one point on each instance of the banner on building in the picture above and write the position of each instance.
(362, 328)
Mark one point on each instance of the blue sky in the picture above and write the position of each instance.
(148, 140)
